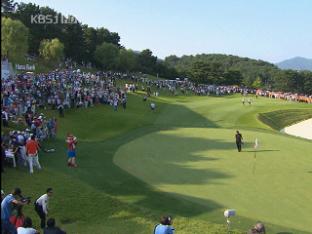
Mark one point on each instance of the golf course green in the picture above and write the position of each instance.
(136, 165)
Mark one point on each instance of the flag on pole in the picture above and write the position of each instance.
(256, 145)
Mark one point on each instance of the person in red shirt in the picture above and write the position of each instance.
(71, 150)
(32, 148)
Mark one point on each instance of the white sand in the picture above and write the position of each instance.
(301, 129)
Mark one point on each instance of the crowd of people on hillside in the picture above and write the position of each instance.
(26, 96)
(285, 96)
(60, 90)
(187, 87)
(25, 93)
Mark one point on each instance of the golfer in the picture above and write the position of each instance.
(239, 141)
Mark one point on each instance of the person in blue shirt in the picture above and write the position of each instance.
(6, 210)
(165, 226)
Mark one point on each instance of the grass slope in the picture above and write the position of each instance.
(101, 197)
(283, 118)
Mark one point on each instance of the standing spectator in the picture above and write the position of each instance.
(71, 150)
(54, 127)
(165, 226)
(6, 210)
(22, 147)
(2, 195)
(239, 141)
(115, 103)
(27, 227)
(2, 154)
(5, 118)
(32, 148)
(153, 106)
(124, 102)
(51, 229)
(61, 110)
(41, 206)
(50, 127)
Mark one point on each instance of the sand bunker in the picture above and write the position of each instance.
(301, 129)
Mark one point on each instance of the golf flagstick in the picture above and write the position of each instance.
(256, 145)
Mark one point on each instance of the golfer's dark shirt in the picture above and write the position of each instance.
(238, 137)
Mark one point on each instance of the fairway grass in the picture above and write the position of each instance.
(191, 170)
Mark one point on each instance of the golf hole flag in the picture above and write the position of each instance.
(256, 145)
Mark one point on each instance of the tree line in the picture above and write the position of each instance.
(233, 70)
(22, 33)
(53, 40)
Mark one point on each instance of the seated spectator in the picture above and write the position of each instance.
(18, 219)
(27, 227)
(257, 229)
(164, 227)
(51, 228)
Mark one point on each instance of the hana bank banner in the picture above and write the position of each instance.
(26, 67)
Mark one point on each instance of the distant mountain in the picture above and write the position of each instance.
(297, 63)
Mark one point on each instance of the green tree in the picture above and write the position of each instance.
(7, 6)
(106, 56)
(104, 35)
(257, 83)
(14, 37)
(307, 82)
(202, 73)
(147, 61)
(127, 60)
(51, 51)
(73, 40)
(38, 31)
(163, 70)
(89, 39)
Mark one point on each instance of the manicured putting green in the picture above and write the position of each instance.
(202, 164)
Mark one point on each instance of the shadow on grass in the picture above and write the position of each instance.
(256, 151)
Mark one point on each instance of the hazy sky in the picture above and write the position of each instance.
(271, 30)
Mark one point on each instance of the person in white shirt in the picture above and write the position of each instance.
(27, 227)
(41, 206)
(5, 118)
(153, 106)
